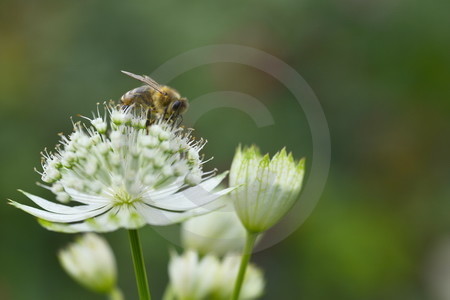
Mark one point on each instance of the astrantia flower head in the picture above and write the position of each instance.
(90, 261)
(119, 172)
(192, 277)
(269, 186)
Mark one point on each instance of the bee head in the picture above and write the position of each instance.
(179, 106)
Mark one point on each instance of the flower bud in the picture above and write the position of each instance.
(90, 261)
(269, 187)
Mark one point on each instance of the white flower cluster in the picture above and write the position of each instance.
(125, 174)
(211, 278)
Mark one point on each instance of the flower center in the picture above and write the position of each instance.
(122, 197)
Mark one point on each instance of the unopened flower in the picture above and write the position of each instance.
(218, 232)
(90, 261)
(208, 277)
(269, 186)
(119, 172)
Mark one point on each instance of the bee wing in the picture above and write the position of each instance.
(145, 79)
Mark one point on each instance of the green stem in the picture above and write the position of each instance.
(139, 266)
(250, 242)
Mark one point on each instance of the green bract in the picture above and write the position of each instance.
(269, 187)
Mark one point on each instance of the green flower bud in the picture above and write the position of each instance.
(90, 261)
(269, 187)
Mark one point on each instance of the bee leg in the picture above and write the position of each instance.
(179, 120)
(150, 118)
(125, 106)
(165, 114)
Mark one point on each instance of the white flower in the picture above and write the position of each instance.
(124, 175)
(252, 287)
(269, 187)
(192, 278)
(218, 232)
(197, 278)
(90, 261)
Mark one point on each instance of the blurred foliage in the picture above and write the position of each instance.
(379, 68)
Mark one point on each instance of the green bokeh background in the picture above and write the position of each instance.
(380, 69)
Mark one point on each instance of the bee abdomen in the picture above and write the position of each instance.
(141, 95)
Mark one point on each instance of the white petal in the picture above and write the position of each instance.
(60, 227)
(154, 216)
(159, 217)
(162, 193)
(61, 218)
(188, 199)
(102, 223)
(86, 198)
(211, 183)
(59, 208)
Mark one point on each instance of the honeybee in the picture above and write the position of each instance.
(162, 101)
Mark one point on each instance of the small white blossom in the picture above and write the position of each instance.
(269, 186)
(218, 232)
(90, 261)
(252, 287)
(208, 277)
(192, 278)
(125, 176)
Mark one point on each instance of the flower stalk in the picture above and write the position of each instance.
(139, 266)
(246, 255)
